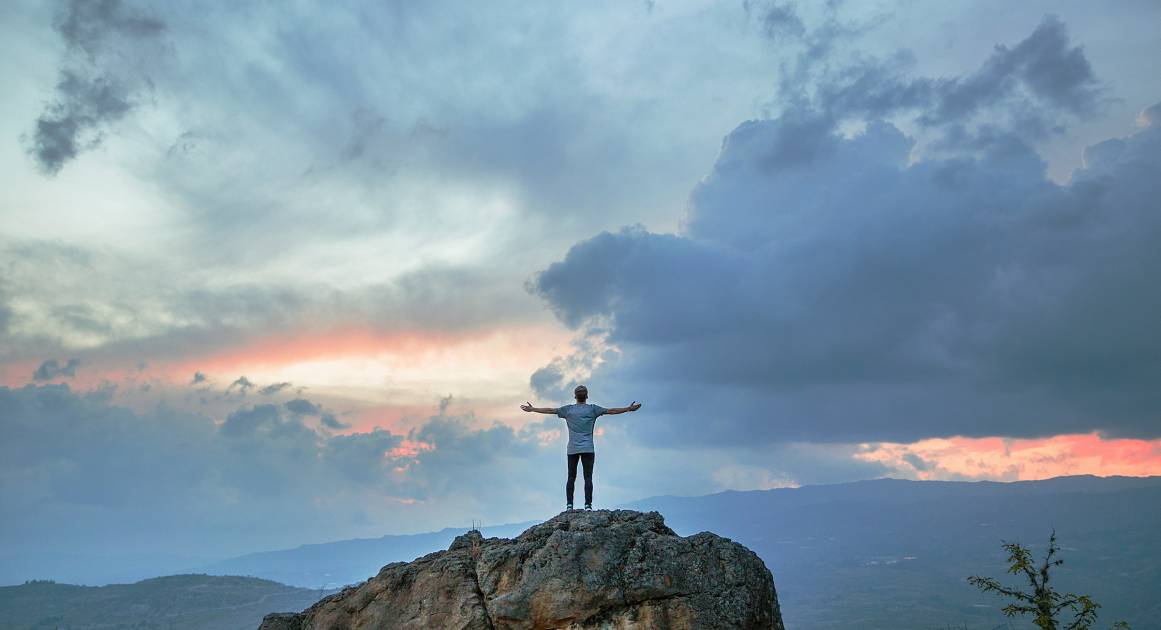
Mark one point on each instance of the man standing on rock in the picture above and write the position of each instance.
(580, 419)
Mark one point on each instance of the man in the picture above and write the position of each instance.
(580, 419)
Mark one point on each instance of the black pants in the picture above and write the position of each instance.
(587, 460)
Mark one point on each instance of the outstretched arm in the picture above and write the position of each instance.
(528, 407)
(632, 407)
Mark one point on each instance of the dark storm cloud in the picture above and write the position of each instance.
(273, 388)
(243, 384)
(1029, 89)
(331, 422)
(51, 369)
(82, 104)
(1045, 64)
(87, 25)
(302, 406)
(260, 420)
(100, 80)
(1044, 67)
(865, 297)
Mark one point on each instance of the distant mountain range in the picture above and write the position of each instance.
(176, 602)
(886, 553)
(334, 564)
(894, 554)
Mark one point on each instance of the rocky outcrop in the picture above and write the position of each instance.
(600, 569)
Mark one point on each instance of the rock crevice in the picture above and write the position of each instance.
(602, 569)
(473, 551)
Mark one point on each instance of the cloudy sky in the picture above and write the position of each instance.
(277, 273)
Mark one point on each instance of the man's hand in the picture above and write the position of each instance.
(616, 410)
(526, 406)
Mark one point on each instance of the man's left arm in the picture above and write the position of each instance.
(616, 410)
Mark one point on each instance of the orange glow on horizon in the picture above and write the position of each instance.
(405, 367)
(263, 352)
(1019, 459)
(275, 350)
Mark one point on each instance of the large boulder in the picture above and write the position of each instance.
(600, 569)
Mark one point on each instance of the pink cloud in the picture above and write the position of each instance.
(1011, 459)
(409, 448)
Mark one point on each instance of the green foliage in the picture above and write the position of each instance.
(175, 602)
(1042, 601)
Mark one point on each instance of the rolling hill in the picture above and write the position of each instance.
(175, 602)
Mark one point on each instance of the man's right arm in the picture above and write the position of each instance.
(528, 407)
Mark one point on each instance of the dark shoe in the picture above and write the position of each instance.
(568, 508)
(589, 507)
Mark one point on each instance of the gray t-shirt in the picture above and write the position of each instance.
(580, 419)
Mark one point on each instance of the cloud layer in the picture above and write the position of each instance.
(848, 288)
(80, 472)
